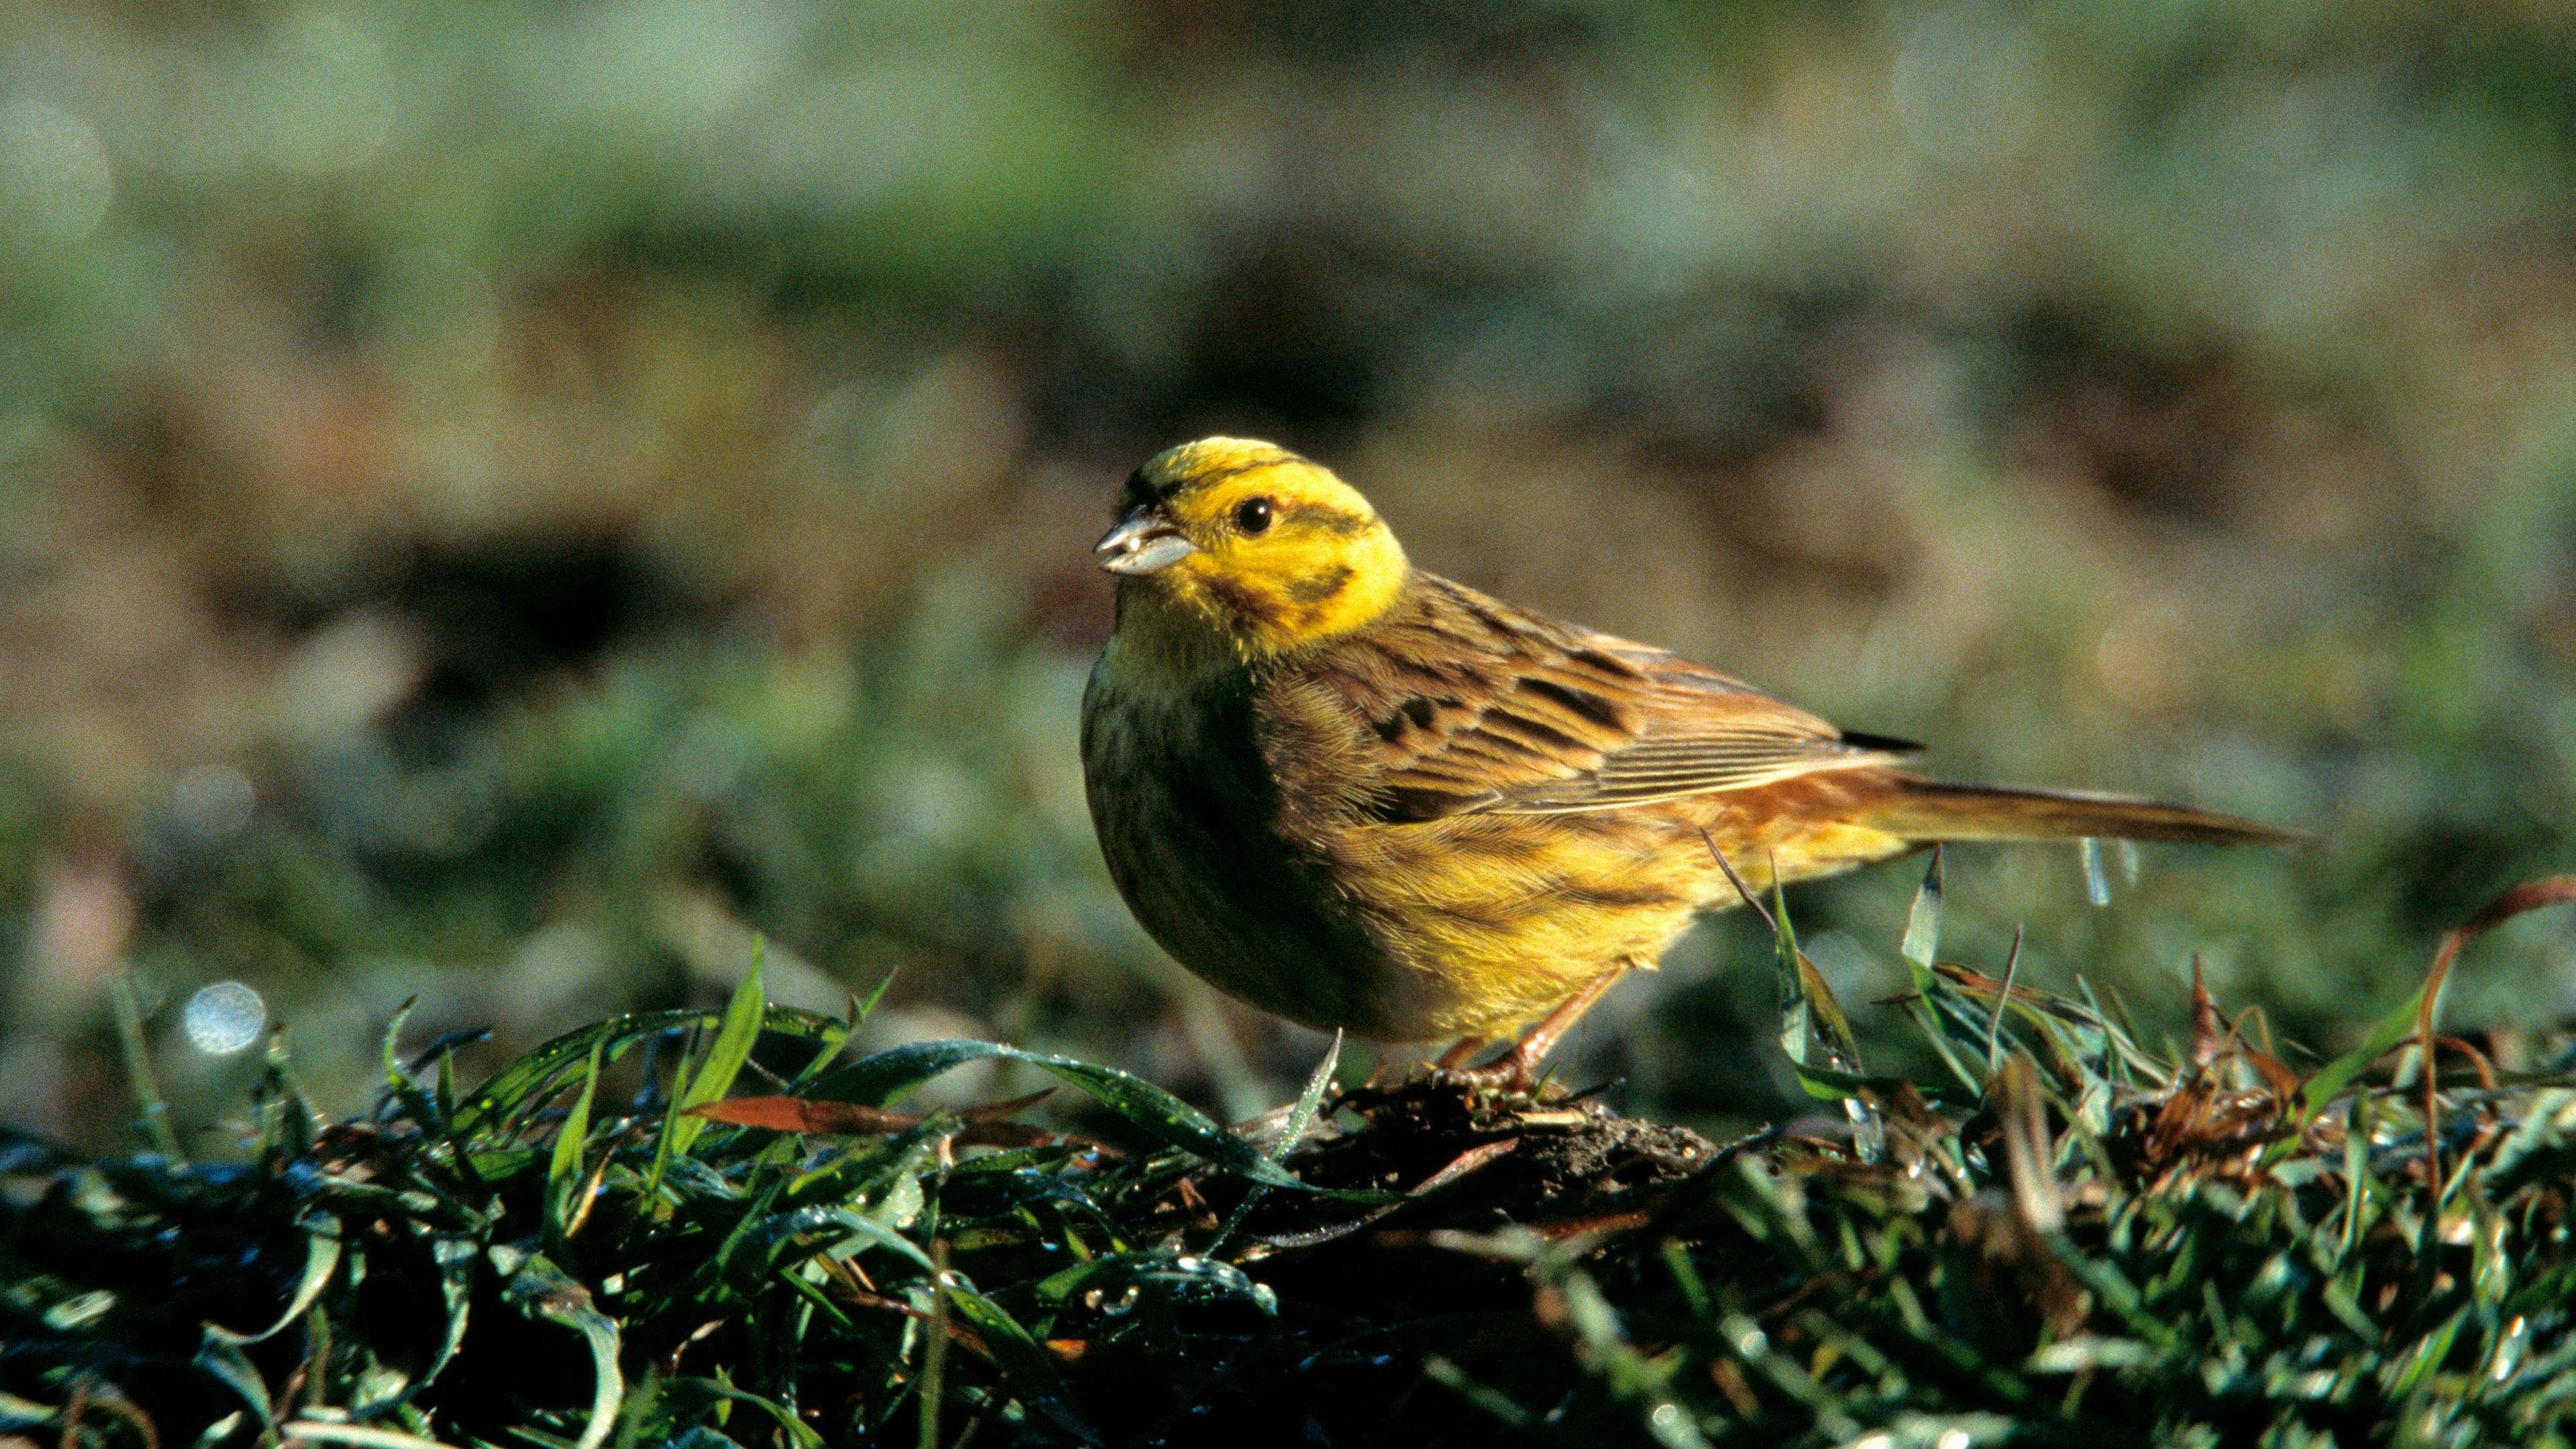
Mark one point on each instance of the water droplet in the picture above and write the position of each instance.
(2097, 886)
(1100, 1302)
(2128, 862)
(224, 1018)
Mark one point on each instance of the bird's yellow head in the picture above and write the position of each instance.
(1271, 551)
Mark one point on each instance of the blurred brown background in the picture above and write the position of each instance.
(503, 502)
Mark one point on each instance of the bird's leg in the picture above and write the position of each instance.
(1458, 1055)
(1517, 1070)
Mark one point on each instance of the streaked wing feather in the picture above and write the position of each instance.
(1671, 769)
(1553, 719)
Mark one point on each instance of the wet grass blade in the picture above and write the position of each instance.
(1300, 1117)
(1812, 1023)
(536, 1287)
(321, 1259)
(885, 1077)
(861, 1008)
(520, 1087)
(358, 1436)
(1923, 926)
(724, 1061)
(736, 1033)
(563, 1169)
(931, 1388)
(152, 1108)
(1309, 1101)
(398, 1083)
(1022, 1359)
(1165, 1118)
(681, 1395)
(1932, 1000)
(455, 1256)
(221, 1359)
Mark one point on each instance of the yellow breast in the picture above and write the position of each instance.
(1467, 926)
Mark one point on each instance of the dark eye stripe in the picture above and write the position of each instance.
(1324, 518)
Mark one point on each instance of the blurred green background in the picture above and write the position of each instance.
(504, 501)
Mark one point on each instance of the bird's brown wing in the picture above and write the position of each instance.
(1480, 706)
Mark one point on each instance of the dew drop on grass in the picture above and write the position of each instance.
(2097, 886)
(223, 1018)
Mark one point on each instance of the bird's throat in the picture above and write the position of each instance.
(1164, 647)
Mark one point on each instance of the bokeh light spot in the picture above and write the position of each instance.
(55, 178)
(214, 802)
(224, 1018)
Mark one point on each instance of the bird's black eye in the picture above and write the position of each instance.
(1252, 515)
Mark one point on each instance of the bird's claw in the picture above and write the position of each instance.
(1513, 1074)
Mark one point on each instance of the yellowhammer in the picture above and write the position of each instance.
(1364, 797)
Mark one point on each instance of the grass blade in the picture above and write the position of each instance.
(1812, 1022)
(734, 1039)
(321, 1260)
(536, 1287)
(2414, 1015)
(358, 1436)
(1300, 1117)
(1921, 946)
(1923, 927)
(563, 1169)
(1023, 1360)
(885, 1077)
(736, 1033)
(148, 1101)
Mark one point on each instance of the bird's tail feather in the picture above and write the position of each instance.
(1924, 811)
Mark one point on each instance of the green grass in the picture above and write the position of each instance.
(2071, 1236)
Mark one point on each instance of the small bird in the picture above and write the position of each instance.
(1366, 798)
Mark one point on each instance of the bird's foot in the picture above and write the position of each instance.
(1515, 1073)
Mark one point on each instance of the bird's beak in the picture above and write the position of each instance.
(1144, 542)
